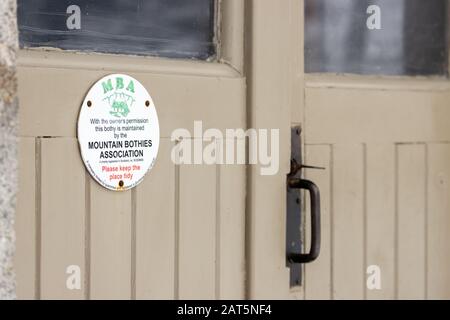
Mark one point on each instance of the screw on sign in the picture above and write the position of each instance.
(118, 132)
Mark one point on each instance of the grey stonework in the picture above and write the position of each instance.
(8, 144)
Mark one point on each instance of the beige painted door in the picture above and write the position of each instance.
(184, 233)
(385, 144)
(180, 234)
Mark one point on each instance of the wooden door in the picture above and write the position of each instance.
(180, 233)
(384, 143)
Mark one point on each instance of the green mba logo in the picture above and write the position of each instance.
(119, 97)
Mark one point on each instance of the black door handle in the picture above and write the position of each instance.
(314, 194)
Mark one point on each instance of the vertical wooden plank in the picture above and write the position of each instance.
(63, 217)
(231, 233)
(318, 274)
(25, 224)
(155, 229)
(438, 231)
(270, 88)
(380, 223)
(110, 254)
(348, 222)
(197, 242)
(411, 188)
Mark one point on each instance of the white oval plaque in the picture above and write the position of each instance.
(118, 132)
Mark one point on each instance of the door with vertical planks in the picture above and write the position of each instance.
(367, 81)
(376, 112)
(180, 233)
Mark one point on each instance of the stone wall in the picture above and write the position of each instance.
(8, 144)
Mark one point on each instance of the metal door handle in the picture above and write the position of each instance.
(314, 194)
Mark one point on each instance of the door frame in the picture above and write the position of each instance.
(274, 69)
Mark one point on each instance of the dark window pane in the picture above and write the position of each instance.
(396, 37)
(169, 28)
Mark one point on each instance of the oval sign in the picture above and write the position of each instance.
(118, 132)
